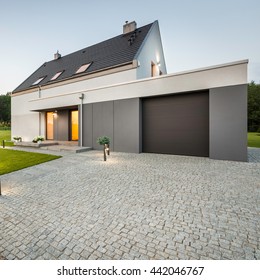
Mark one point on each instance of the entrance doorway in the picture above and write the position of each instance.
(74, 121)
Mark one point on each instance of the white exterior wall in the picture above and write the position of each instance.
(120, 77)
(151, 51)
(206, 78)
(24, 122)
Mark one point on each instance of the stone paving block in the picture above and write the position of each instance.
(64, 257)
(71, 244)
(68, 251)
(78, 249)
(11, 257)
(75, 256)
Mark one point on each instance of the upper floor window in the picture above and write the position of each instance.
(38, 81)
(56, 75)
(154, 69)
(83, 68)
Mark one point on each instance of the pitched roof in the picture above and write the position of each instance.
(107, 54)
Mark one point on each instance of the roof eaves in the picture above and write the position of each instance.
(30, 77)
(75, 77)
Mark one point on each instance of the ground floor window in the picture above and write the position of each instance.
(74, 125)
(49, 125)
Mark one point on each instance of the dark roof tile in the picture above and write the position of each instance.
(109, 53)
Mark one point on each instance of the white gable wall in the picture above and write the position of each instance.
(151, 51)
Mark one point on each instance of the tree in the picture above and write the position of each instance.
(5, 108)
(253, 107)
(105, 141)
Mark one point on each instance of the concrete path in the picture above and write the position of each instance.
(134, 206)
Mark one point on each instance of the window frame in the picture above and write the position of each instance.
(38, 80)
(86, 65)
(56, 76)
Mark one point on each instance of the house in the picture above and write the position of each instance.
(120, 88)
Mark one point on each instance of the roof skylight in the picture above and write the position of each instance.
(56, 75)
(38, 81)
(83, 68)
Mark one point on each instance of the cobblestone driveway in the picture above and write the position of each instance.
(134, 206)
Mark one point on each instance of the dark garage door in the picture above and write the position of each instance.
(176, 124)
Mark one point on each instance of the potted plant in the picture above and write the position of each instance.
(17, 139)
(105, 141)
(38, 139)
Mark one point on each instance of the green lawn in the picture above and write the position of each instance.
(11, 160)
(5, 135)
(253, 139)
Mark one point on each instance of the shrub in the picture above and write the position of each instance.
(38, 138)
(103, 140)
(17, 138)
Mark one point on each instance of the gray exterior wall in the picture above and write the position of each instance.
(126, 125)
(228, 123)
(103, 122)
(87, 116)
(119, 120)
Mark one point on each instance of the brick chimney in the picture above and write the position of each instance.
(129, 27)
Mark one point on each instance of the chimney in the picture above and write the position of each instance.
(129, 27)
(57, 55)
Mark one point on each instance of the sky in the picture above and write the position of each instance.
(195, 33)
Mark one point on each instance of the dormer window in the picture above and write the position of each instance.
(56, 75)
(83, 68)
(38, 81)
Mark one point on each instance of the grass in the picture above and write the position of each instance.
(5, 135)
(11, 160)
(253, 139)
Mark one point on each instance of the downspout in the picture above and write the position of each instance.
(39, 91)
(81, 97)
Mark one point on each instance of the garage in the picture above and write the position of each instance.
(176, 124)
